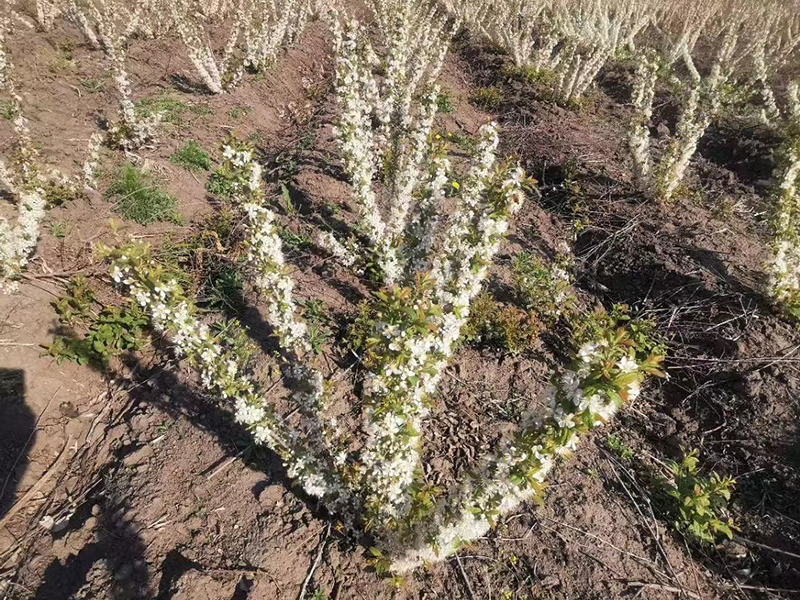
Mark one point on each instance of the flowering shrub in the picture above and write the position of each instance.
(608, 371)
(428, 228)
(408, 334)
(564, 43)
(259, 29)
(132, 131)
(23, 181)
(701, 97)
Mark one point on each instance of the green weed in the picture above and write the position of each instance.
(489, 98)
(508, 327)
(138, 198)
(319, 323)
(619, 447)
(92, 86)
(444, 102)
(108, 330)
(698, 504)
(8, 110)
(191, 157)
(545, 289)
(60, 191)
(529, 74)
(237, 112)
(58, 229)
(172, 109)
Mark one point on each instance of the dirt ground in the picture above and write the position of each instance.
(158, 494)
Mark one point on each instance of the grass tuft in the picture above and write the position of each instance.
(172, 109)
(192, 157)
(139, 199)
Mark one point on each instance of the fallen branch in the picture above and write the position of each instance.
(36, 486)
(661, 586)
(322, 543)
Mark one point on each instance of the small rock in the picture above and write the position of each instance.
(138, 457)
(96, 510)
(662, 131)
(551, 581)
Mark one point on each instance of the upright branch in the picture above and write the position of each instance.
(385, 123)
(701, 95)
(21, 179)
(784, 266)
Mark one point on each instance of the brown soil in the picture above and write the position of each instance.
(164, 496)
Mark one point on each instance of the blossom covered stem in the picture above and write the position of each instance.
(587, 395)
(223, 374)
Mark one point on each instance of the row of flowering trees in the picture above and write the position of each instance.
(258, 31)
(715, 57)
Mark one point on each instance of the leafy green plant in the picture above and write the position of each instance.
(297, 240)
(59, 191)
(641, 333)
(490, 98)
(139, 199)
(58, 229)
(229, 178)
(545, 289)
(444, 102)
(508, 327)
(172, 109)
(238, 112)
(109, 330)
(529, 74)
(191, 157)
(9, 110)
(699, 504)
(93, 86)
(222, 287)
(319, 323)
(618, 446)
(204, 264)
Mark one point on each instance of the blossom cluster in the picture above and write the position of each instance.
(274, 26)
(701, 98)
(47, 12)
(239, 175)
(132, 131)
(18, 241)
(644, 89)
(259, 30)
(5, 27)
(419, 327)
(23, 181)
